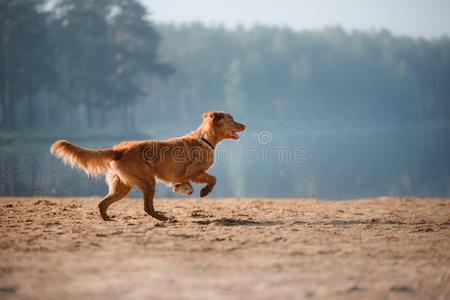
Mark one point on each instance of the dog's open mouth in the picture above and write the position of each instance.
(233, 135)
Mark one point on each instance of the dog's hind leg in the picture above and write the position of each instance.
(148, 190)
(117, 190)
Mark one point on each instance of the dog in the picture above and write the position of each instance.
(138, 164)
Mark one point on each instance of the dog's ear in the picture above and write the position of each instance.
(213, 117)
(207, 115)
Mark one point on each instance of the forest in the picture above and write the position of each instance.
(73, 65)
(69, 62)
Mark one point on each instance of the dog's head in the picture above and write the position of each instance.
(223, 125)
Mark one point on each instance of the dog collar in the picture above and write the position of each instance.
(207, 142)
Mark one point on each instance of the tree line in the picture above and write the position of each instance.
(68, 62)
(331, 77)
(72, 64)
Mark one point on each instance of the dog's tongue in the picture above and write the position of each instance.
(233, 135)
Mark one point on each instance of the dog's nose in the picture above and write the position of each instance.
(241, 126)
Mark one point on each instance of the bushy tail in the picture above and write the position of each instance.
(94, 162)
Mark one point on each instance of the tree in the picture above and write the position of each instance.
(135, 47)
(85, 59)
(104, 47)
(233, 87)
(25, 57)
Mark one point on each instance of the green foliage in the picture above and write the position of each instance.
(25, 66)
(233, 86)
(98, 50)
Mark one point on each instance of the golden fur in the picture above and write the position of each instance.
(139, 163)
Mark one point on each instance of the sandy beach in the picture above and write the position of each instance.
(383, 248)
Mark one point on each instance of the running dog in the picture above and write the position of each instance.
(139, 164)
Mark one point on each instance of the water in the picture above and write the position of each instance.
(334, 164)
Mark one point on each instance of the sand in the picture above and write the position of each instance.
(384, 248)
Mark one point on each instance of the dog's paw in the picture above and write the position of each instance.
(107, 218)
(163, 217)
(160, 217)
(171, 219)
(167, 219)
(184, 189)
(205, 191)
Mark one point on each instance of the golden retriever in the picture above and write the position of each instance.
(140, 163)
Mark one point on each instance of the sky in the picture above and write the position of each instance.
(418, 18)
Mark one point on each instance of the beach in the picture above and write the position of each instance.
(378, 248)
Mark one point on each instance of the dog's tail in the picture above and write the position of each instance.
(95, 162)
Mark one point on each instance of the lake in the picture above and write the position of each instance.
(333, 164)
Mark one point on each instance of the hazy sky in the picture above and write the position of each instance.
(427, 18)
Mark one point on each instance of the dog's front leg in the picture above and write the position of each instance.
(208, 179)
(185, 187)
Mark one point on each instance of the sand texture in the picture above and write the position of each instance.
(384, 248)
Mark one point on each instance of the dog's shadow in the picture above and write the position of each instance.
(250, 222)
(351, 222)
(237, 222)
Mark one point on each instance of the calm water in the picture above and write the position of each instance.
(327, 164)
